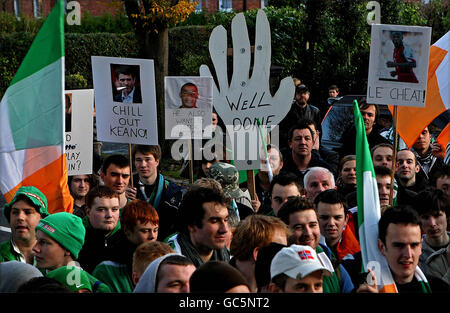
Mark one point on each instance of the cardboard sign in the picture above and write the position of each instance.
(188, 101)
(241, 102)
(79, 131)
(125, 100)
(398, 68)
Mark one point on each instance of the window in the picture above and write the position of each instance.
(17, 8)
(37, 8)
(225, 5)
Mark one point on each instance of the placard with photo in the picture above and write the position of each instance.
(125, 100)
(398, 67)
(188, 107)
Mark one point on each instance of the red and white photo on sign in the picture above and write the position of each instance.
(398, 66)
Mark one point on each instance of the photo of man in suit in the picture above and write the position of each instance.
(127, 84)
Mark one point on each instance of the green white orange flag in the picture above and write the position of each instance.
(412, 120)
(31, 119)
(369, 211)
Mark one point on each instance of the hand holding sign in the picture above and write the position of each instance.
(246, 99)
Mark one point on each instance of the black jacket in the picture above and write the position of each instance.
(295, 114)
(98, 247)
(168, 205)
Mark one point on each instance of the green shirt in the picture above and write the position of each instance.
(115, 275)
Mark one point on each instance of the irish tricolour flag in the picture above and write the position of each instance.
(369, 209)
(31, 120)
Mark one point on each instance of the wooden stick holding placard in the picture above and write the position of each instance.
(251, 184)
(394, 156)
(131, 164)
(191, 163)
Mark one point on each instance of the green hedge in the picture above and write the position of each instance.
(78, 49)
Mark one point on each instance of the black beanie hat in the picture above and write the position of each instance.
(216, 277)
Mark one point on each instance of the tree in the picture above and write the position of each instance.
(151, 20)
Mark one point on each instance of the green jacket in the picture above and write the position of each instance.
(7, 252)
(97, 285)
(115, 275)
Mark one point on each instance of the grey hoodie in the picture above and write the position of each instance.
(14, 273)
(147, 281)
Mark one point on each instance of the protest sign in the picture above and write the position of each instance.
(79, 106)
(398, 67)
(188, 99)
(246, 99)
(125, 100)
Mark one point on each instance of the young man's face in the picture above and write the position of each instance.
(434, 224)
(333, 93)
(402, 250)
(317, 183)
(215, 230)
(23, 221)
(382, 156)
(174, 278)
(332, 221)
(313, 283)
(127, 81)
(443, 183)
(281, 194)
(104, 214)
(142, 232)
(80, 186)
(348, 172)
(406, 167)
(146, 164)
(302, 142)
(116, 178)
(423, 142)
(305, 227)
(384, 188)
(189, 96)
(397, 39)
(368, 115)
(49, 253)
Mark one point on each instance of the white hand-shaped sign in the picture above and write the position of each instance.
(240, 103)
(247, 98)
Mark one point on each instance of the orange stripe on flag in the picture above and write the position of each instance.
(411, 120)
(389, 289)
(52, 181)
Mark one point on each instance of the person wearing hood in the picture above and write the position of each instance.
(169, 273)
(14, 273)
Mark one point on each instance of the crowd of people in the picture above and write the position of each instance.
(136, 230)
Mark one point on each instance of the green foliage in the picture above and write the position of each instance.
(80, 48)
(105, 23)
(186, 55)
(9, 23)
(78, 51)
(75, 81)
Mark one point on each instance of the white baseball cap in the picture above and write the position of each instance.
(297, 262)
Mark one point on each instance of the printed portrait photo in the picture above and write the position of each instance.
(126, 83)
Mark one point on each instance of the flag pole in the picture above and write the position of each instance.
(131, 164)
(394, 156)
(191, 162)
